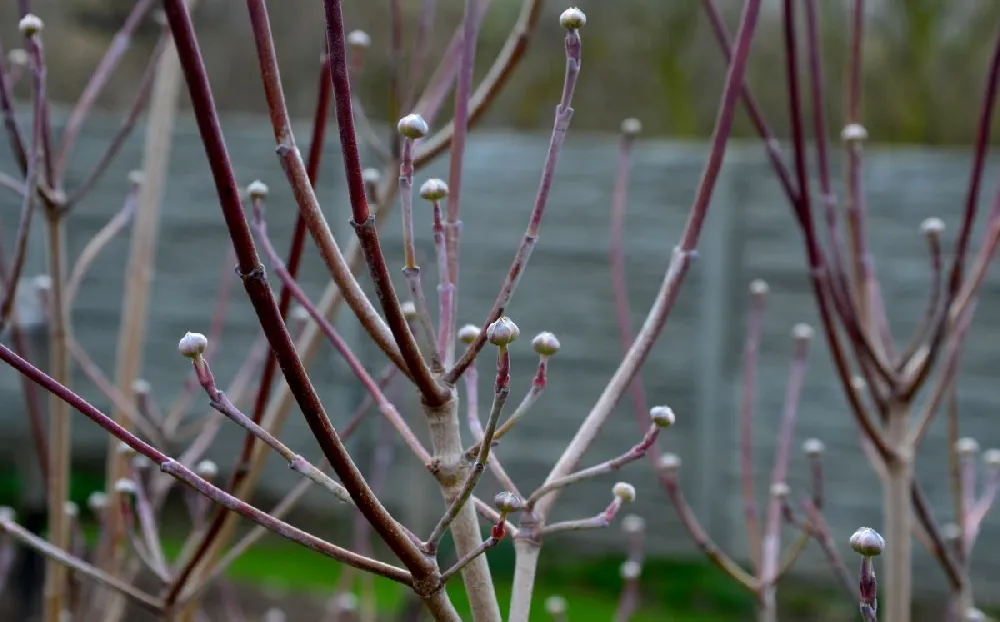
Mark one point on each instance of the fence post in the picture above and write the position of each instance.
(719, 271)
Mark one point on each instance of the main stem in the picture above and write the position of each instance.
(59, 422)
(452, 470)
(526, 551)
(898, 517)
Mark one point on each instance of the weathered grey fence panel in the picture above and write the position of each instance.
(695, 367)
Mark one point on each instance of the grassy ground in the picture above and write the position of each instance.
(673, 590)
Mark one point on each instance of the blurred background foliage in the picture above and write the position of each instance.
(925, 60)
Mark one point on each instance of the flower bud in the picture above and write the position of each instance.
(136, 178)
(507, 503)
(630, 570)
(257, 189)
(347, 602)
(358, 39)
(43, 283)
(97, 501)
(867, 542)
(932, 226)
(662, 416)
(125, 486)
(409, 309)
(71, 509)
(624, 491)
(633, 524)
(858, 383)
(992, 458)
(468, 333)
(545, 344)
(30, 25)
(974, 615)
(759, 287)
(433, 189)
(6, 514)
(503, 332)
(371, 175)
(802, 332)
(780, 490)
(854, 132)
(299, 314)
(141, 387)
(967, 447)
(206, 469)
(572, 19)
(555, 605)
(813, 447)
(413, 126)
(17, 57)
(274, 614)
(951, 532)
(669, 463)
(630, 127)
(192, 345)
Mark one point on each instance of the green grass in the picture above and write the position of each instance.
(674, 590)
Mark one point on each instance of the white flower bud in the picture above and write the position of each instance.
(854, 132)
(867, 542)
(274, 614)
(951, 532)
(624, 491)
(17, 57)
(433, 189)
(992, 458)
(71, 509)
(802, 332)
(572, 19)
(631, 127)
(43, 283)
(545, 344)
(371, 175)
(30, 25)
(125, 486)
(662, 416)
(347, 602)
(136, 178)
(858, 383)
(6, 514)
(813, 447)
(630, 570)
(932, 226)
(97, 501)
(192, 345)
(780, 490)
(206, 469)
(468, 333)
(759, 287)
(257, 189)
(358, 39)
(633, 524)
(503, 332)
(409, 309)
(555, 605)
(413, 126)
(669, 463)
(141, 387)
(967, 447)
